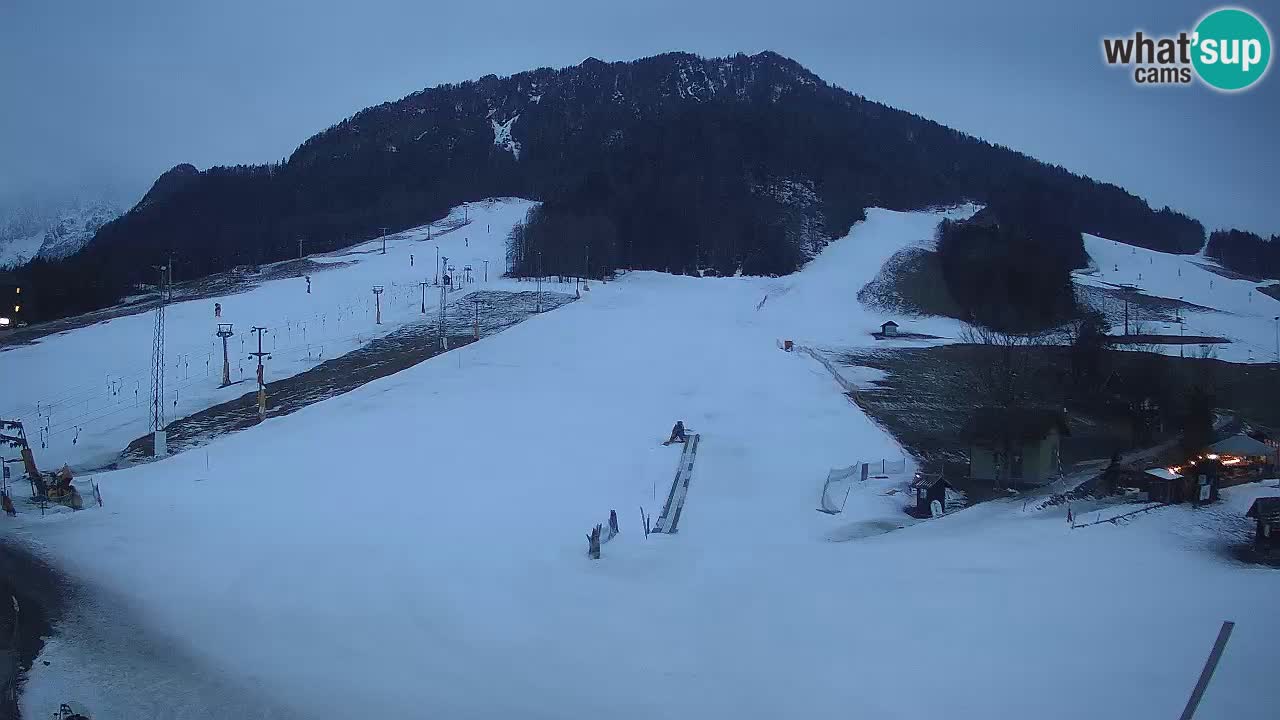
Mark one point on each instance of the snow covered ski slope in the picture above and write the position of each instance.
(419, 549)
(1227, 306)
(84, 394)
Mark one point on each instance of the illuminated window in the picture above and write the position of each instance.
(18, 291)
(17, 308)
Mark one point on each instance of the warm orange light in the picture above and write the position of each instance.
(1232, 461)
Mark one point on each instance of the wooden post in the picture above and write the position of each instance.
(1206, 674)
(593, 542)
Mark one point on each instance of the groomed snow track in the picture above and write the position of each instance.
(670, 517)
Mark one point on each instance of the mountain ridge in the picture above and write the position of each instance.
(53, 231)
(671, 162)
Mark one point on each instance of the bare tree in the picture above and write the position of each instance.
(1004, 379)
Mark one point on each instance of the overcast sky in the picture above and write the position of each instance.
(123, 90)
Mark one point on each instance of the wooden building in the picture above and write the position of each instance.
(1266, 512)
(1242, 459)
(1013, 447)
(929, 488)
(1193, 483)
(889, 329)
(1164, 485)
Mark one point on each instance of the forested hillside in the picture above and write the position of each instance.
(746, 163)
(1246, 253)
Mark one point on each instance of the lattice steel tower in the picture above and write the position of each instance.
(157, 352)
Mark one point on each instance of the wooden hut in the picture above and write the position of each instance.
(929, 488)
(1266, 512)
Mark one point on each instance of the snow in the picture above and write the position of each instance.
(420, 544)
(819, 306)
(84, 381)
(19, 250)
(502, 136)
(1235, 308)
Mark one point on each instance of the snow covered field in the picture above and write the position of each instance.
(1237, 310)
(86, 392)
(417, 546)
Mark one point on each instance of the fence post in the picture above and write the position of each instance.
(1210, 664)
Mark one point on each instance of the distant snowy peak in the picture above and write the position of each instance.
(75, 228)
(52, 232)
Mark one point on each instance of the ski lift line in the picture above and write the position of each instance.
(86, 394)
(88, 417)
(89, 392)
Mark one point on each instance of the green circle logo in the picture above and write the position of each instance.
(1232, 49)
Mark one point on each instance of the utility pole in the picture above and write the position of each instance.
(1277, 319)
(1126, 290)
(436, 279)
(224, 332)
(476, 300)
(262, 383)
(423, 285)
(377, 298)
(384, 241)
(486, 271)
(539, 307)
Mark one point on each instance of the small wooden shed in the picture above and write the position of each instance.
(1266, 512)
(929, 488)
(889, 329)
(1164, 485)
(1198, 485)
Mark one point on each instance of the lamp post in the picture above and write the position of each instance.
(377, 299)
(224, 332)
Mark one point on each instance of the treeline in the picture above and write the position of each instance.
(747, 163)
(1009, 267)
(1246, 253)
